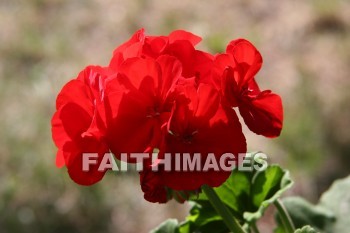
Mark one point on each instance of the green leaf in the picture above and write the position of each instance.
(249, 193)
(306, 229)
(203, 218)
(304, 213)
(337, 199)
(169, 226)
(330, 215)
(268, 186)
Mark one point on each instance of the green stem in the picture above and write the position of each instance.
(286, 220)
(255, 228)
(222, 210)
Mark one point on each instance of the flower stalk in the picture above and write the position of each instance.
(254, 227)
(222, 210)
(285, 218)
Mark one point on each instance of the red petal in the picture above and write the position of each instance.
(137, 69)
(263, 114)
(185, 52)
(137, 37)
(129, 128)
(202, 66)
(230, 88)
(224, 135)
(74, 156)
(116, 61)
(59, 135)
(152, 186)
(180, 116)
(68, 123)
(132, 102)
(253, 87)
(154, 46)
(59, 159)
(247, 57)
(74, 119)
(193, 104)
(94, 78)
(131, 48)
(221, 63)
(73, 91)
(184, 35)
(212, 130)
(171, 71)
(208, 102)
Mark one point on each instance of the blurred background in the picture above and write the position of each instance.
(45, 43)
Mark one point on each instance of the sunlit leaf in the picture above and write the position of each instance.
(169, 226)
(337, 199)
(203, 218)
(249, 193)
(306, 229)
(304, 213)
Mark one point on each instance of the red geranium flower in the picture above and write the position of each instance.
(153, 186)
(159, 93)
(200, 124)
(138, 102)
(76, 124)
(234, 74)
(179, 44)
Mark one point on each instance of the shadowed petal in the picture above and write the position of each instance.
(263, 114)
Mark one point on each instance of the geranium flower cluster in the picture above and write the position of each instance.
(160, 93)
